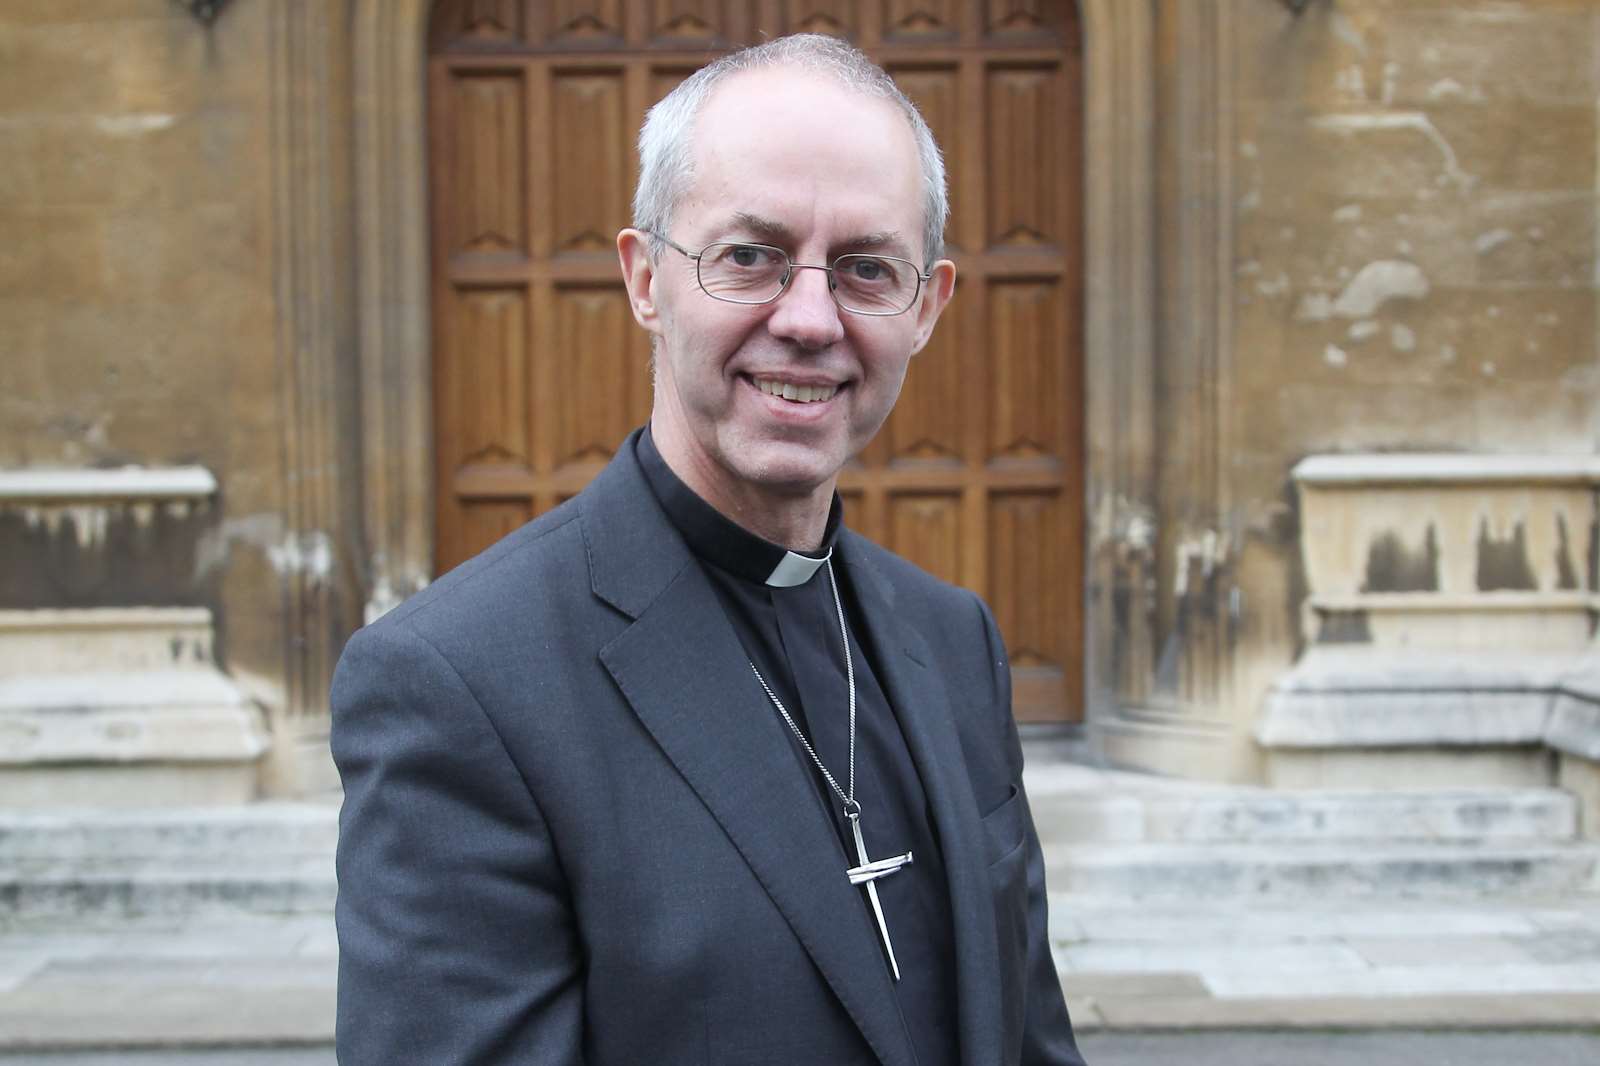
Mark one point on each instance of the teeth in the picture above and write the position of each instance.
(796, 393)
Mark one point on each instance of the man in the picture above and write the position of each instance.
(683, 771)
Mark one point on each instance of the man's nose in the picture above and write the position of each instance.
(805, 313)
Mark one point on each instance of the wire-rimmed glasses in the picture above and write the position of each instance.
(741, 273)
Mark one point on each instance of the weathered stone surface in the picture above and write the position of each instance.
(1344, 698)
(238, 1001)
(1517, 145)
(1581, 777)
(1173, 922)
(1487, 52)
(1575, 724)
(133, 691)
(1191, 956)
(158, 716)
(97, 870)
(1528, 766)
(1455, 137)
(1233, 814)
(1164, 871)
(1465, 951)
(108, 785)
(63, 836)
(1101, 983)
(1575, 733)
(136, 289)
(1486, 1010)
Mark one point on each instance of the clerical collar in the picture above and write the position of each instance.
(719, 540)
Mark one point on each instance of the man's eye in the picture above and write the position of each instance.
(745, 256)
(869, 270)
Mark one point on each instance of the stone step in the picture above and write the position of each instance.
(1246, 815)
(64, 835)
(112, 895)
(93, 868)
(1310, 871)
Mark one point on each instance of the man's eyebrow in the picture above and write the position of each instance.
(762, 229)
(879, 241)
(770, 231)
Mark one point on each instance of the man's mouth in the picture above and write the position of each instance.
(795, 393)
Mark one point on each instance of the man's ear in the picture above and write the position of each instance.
(639, 277)
(936, 292)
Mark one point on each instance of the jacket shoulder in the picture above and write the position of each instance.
(542, 556)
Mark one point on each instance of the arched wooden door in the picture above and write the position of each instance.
(539, 369)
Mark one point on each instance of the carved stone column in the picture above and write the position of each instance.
(391, 250)
(316, 344)
(1159, 214)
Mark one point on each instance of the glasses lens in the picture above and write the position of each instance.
(874, 284)
(743, 273)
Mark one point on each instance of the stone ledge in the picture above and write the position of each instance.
(97, 619)
(1377, 469)
(1493, 603)
(1364, 697)
(98, 786)
(168, 715)
(126, 483)
(100, 640)
(1497, 1011)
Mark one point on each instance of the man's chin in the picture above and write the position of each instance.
(786, 470)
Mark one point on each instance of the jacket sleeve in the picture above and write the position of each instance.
(1047, 1037)
(456, 938)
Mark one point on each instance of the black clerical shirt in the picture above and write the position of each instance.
(790, 630)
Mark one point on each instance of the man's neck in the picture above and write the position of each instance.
(797, 521)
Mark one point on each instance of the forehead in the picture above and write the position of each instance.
(803, 149)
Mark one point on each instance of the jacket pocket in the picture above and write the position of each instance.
(1004, 831)
(1002, 828)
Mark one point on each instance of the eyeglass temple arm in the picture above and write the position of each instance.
(674, 245)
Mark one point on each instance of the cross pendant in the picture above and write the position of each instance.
(866, 873)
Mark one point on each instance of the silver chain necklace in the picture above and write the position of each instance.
(852, 809)
(867, 871)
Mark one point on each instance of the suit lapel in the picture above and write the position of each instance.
(683, 671)
(926, 718)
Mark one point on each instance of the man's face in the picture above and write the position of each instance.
(788, 159)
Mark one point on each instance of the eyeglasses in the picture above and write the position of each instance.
(758, 274)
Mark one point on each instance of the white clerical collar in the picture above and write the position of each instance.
(796, 569)
(717, 539)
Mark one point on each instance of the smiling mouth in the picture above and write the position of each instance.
(795, 393)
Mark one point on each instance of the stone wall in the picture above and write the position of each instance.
(140, 311)
(1413, 195)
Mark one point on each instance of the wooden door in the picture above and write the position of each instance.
(539, 369)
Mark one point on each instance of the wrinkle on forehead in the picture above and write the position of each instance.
(829, 150)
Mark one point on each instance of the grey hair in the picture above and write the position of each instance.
(666, 162)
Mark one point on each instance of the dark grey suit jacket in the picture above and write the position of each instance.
(573, 831)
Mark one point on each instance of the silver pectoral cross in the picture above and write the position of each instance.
(868, 872)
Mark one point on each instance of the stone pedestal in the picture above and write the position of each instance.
(121, 707)
(1453, 607)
